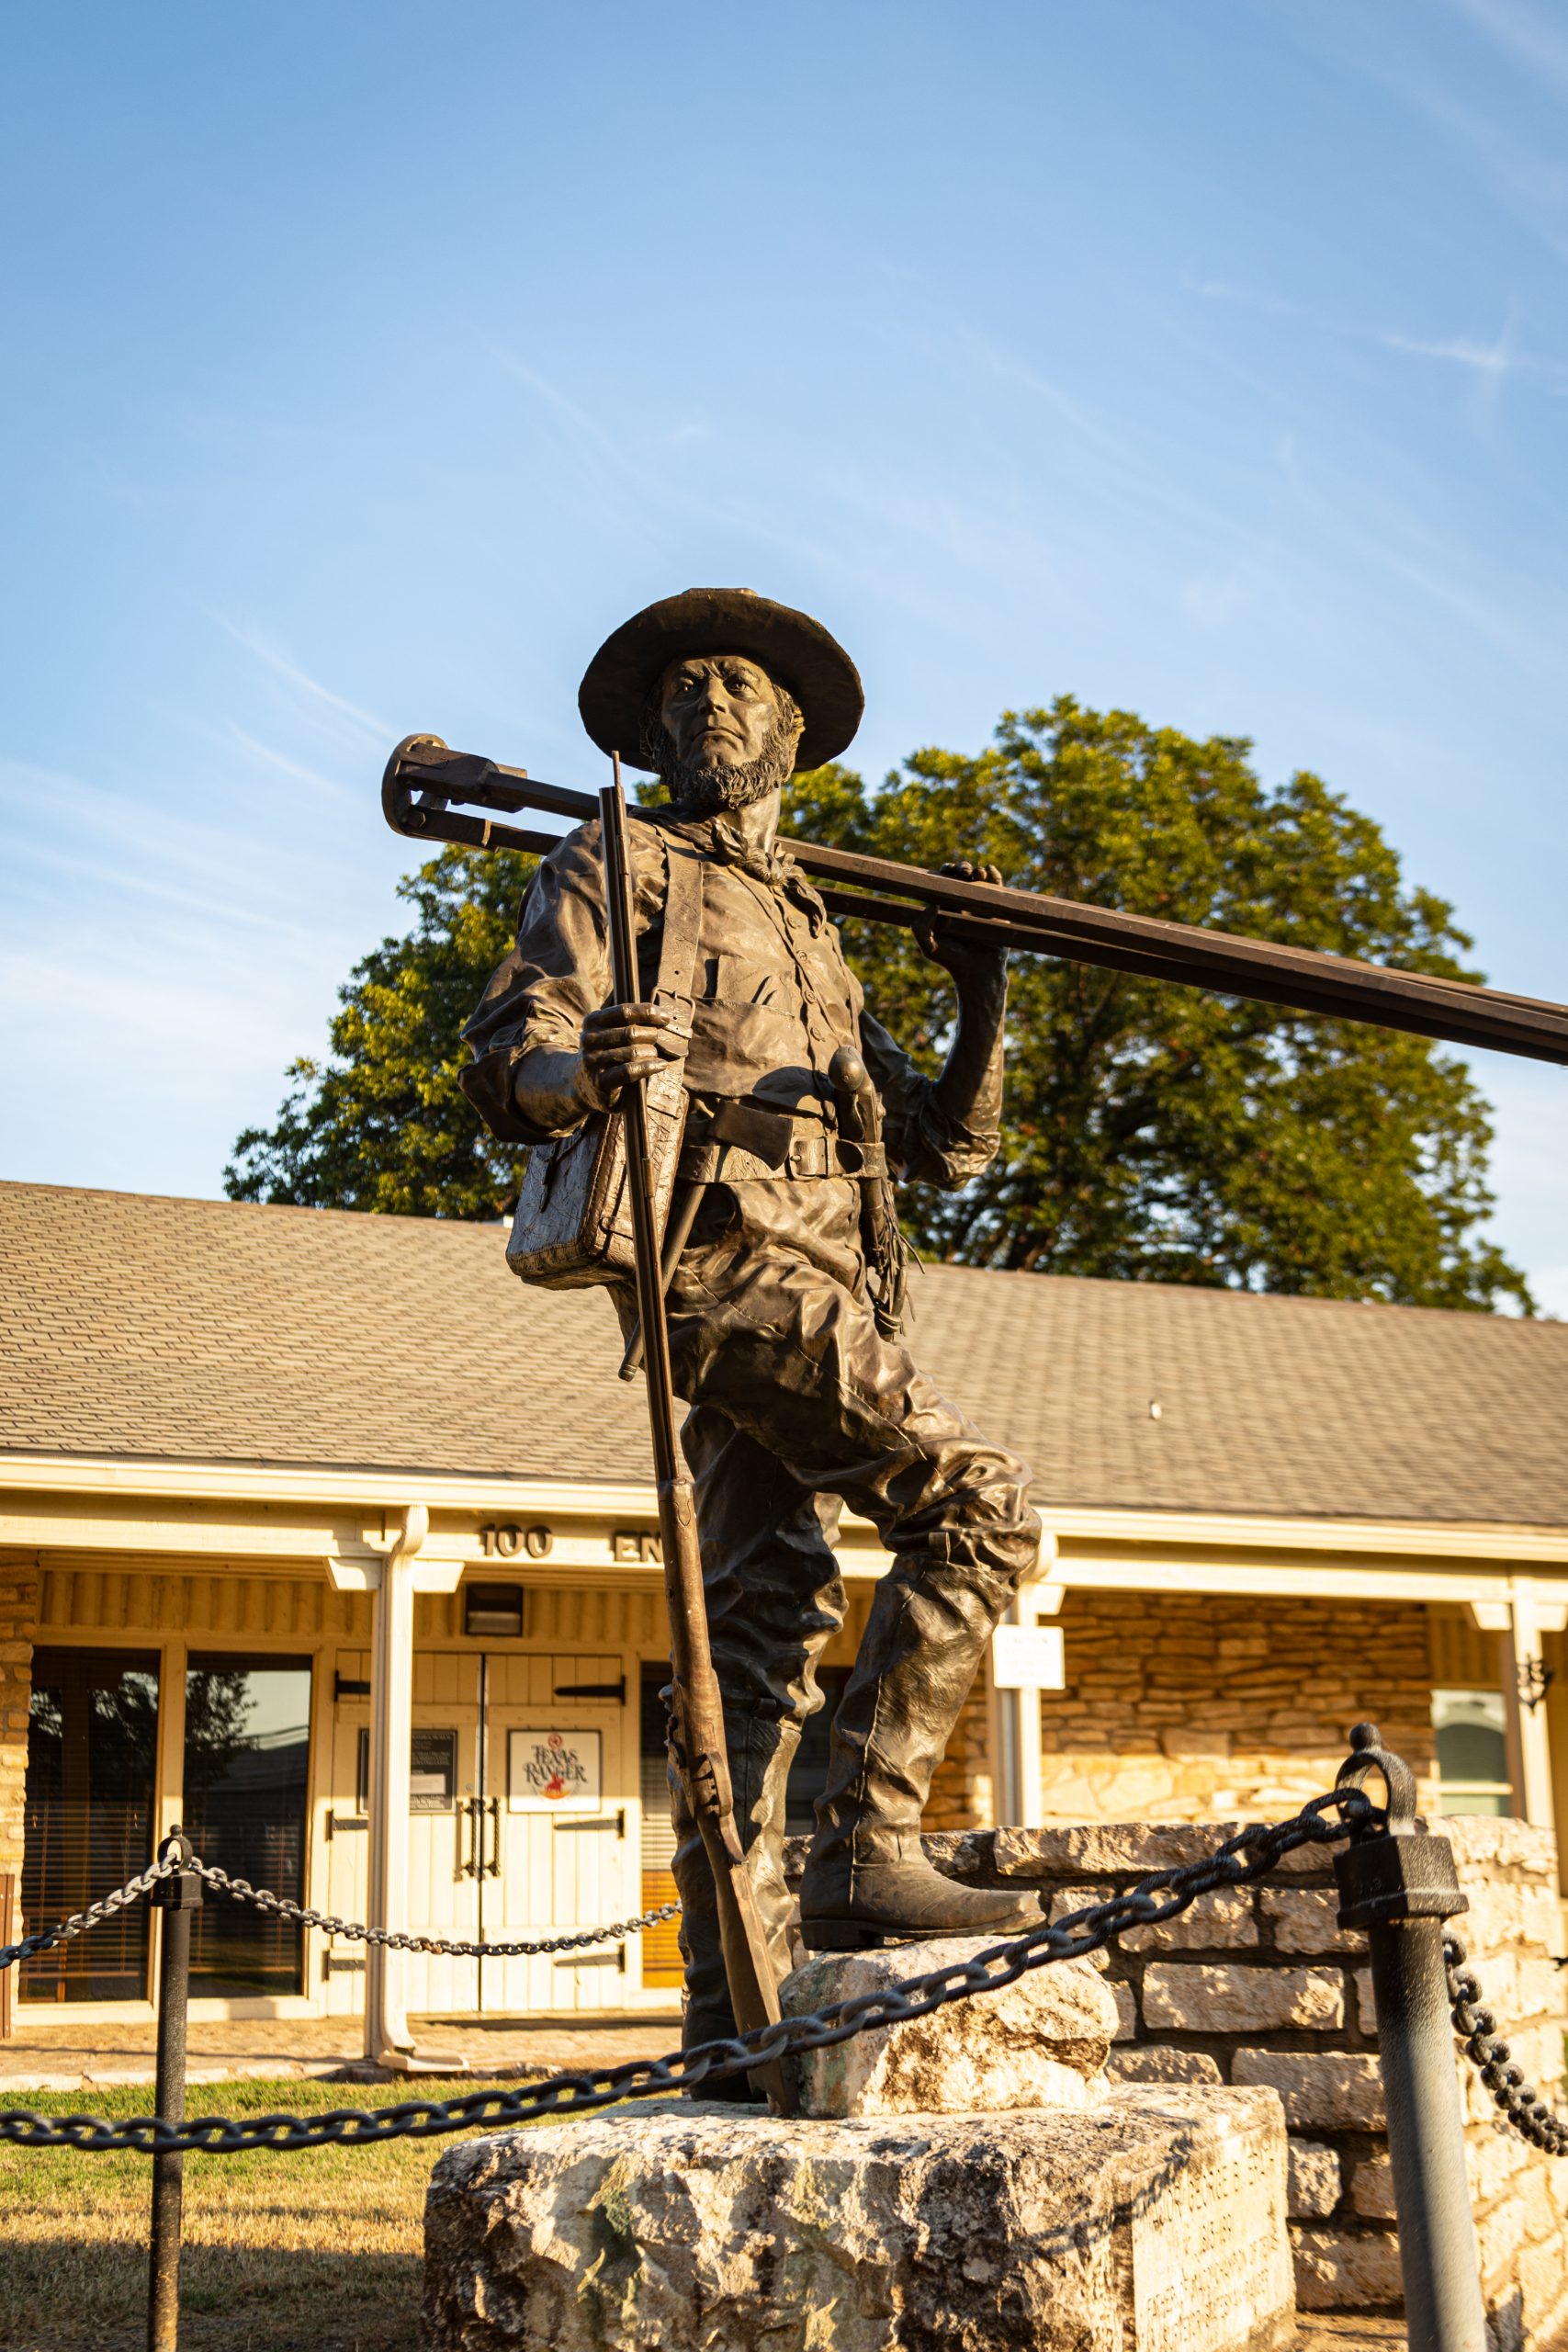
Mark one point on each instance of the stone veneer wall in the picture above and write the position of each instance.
(1259, 1986)
(18, 1618)
(1191, 1707)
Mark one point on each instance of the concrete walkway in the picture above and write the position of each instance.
(65, 2057)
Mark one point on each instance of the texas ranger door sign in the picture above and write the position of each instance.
(552, 1771)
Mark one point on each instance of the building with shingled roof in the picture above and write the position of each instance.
(271, 1473)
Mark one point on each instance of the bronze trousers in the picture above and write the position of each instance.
(799, 1406)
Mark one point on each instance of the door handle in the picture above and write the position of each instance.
(471, 1810)
(492, 1867)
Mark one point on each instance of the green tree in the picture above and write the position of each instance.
(382, 1124)
(1153, 1132)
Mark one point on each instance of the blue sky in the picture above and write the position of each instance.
(366, 363)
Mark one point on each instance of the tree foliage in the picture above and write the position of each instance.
(1153, 1132)
(382, 1124)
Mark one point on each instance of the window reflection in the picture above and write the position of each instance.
(246, 1757)
(92, 1755)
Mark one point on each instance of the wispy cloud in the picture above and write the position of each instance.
(578, 418)
(1494, 359)
(272, 656)
(269, 757)
(1531, 183)
(1489, 358)
(1526, 35)
(201, 866)
(1389, 538)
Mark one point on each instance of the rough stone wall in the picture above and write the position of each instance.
(1191, 1707)
(19, 1621)
(1259, 1986)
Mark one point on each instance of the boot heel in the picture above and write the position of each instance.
(844, 1935)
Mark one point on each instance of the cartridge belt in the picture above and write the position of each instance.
(741, 1143)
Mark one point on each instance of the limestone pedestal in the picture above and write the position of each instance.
(1154, 2221)
(1040, 2208)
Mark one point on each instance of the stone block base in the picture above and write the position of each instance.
(1152, 2223)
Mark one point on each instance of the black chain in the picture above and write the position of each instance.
(92, 1917)
(280, 1907)
(1530, 2114)
(1241, 1860)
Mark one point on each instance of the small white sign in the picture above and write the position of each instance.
(552, 1771)
(1028, 1658)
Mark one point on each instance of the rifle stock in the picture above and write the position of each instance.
(696, 1710)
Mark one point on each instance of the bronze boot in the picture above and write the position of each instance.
(867, 1878)
(761, 1749)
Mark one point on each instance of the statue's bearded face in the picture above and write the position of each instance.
(720, 732)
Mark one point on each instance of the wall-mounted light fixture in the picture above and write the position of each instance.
(1535, 1680)
(492, 1611)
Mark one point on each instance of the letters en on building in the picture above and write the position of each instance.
(224, 1430)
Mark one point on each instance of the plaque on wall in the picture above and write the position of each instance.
(553, 1771)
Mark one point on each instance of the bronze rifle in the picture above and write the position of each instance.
(696, 1710)
(427, 786)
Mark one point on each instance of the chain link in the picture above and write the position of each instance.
(92, 1917)
(1244, 1858)
(1527, 2113)
(279, 1906)
(1241, 1860)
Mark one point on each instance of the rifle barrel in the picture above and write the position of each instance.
(423, 778)
(698, 1701)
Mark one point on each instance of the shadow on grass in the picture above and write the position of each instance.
(63, 2295)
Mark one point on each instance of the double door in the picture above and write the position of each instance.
(523, 1826)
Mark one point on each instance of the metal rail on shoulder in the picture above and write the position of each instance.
(426, 786)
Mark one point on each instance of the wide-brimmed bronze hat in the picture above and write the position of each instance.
(791, 646)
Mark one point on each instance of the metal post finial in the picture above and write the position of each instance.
(1366, 1755)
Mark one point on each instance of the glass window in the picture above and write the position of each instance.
(246, 1757)
(92, 1757)
(1472, 1752)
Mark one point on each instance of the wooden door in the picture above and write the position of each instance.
(443, 1889)
(563, 1766)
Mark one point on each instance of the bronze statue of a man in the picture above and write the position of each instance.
(800, 1400)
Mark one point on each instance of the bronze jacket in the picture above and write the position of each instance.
(773, 999)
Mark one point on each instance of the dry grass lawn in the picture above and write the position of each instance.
(318, 2250)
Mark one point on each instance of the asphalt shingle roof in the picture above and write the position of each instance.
(218, 1330)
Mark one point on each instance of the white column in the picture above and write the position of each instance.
(1020, 1797)
(1520, 1622)
(387, 2034)
(394, 1579)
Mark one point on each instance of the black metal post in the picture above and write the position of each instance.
(1400, 1886)
(176, 1897)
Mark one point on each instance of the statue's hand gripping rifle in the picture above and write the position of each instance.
(426, 786)
(696, 1709)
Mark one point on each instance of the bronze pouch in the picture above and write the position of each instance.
(574, 1224)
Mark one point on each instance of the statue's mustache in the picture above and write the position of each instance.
(701, 789)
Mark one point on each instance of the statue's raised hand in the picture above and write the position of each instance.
(974, 968)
